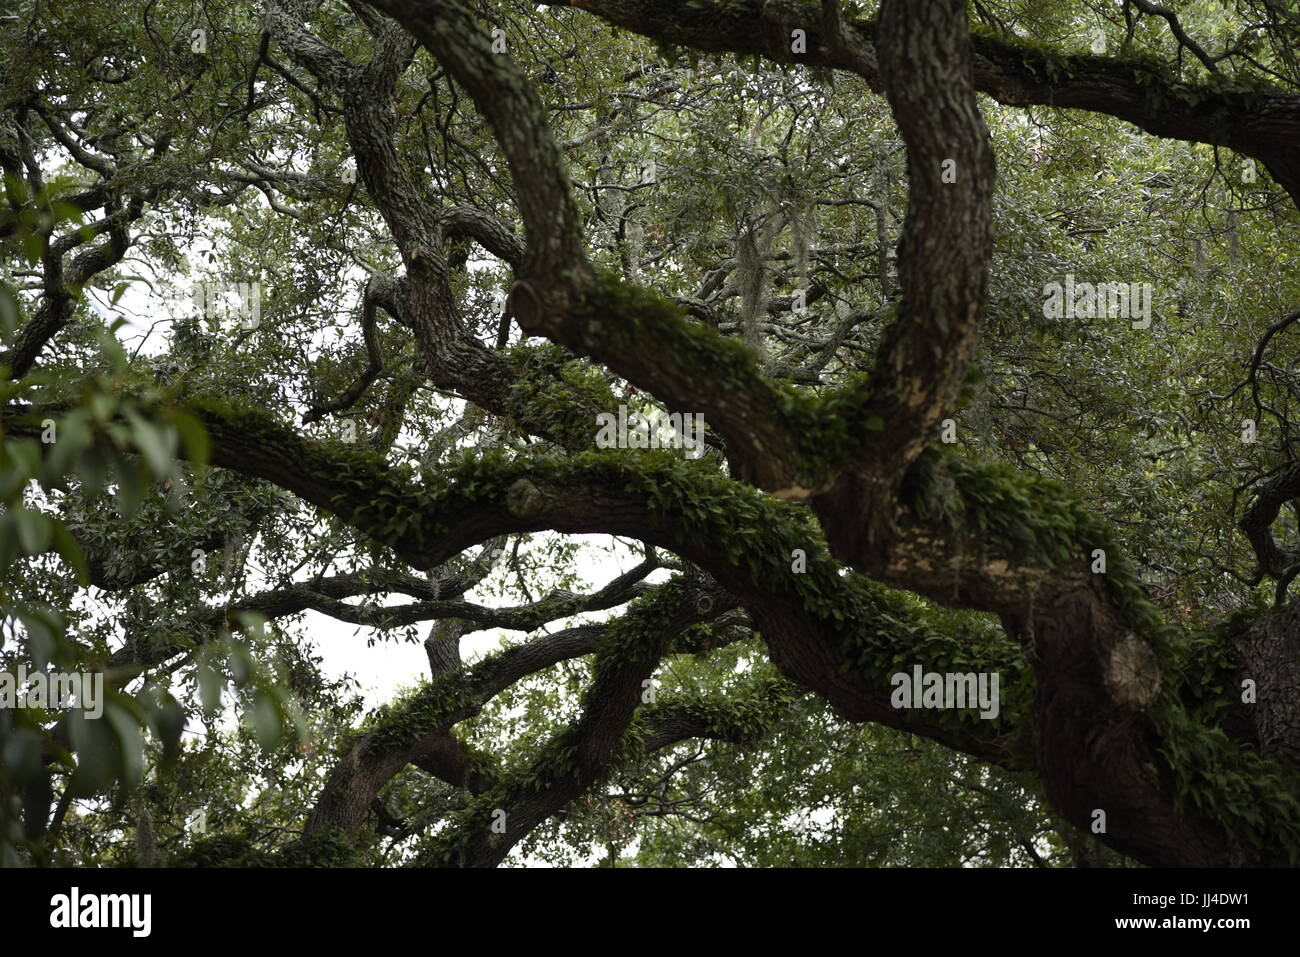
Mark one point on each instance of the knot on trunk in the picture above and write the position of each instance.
(1132, 673)
(525, 500)
(525, 305)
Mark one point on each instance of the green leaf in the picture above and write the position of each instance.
(96, 749)
(44, 630)
(267, 726)
(70, 551)
(168, 721)
(8, 542)
(10, 311)
(193, 436)
(130, 742)
(130, 486)
(156, 443)
(33, 530)
(211, 682)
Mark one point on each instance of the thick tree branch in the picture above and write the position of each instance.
(1262, 123)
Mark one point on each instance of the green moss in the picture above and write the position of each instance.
(1031, 521)
(1037, 521)
(812, 431)
(328, 848)
(430, 707)
(1050, 63)
(556, 395)
(222, 850)
(1252, 799)
(747, 714)
(619, 318)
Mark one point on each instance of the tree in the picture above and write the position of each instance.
(978, 349)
